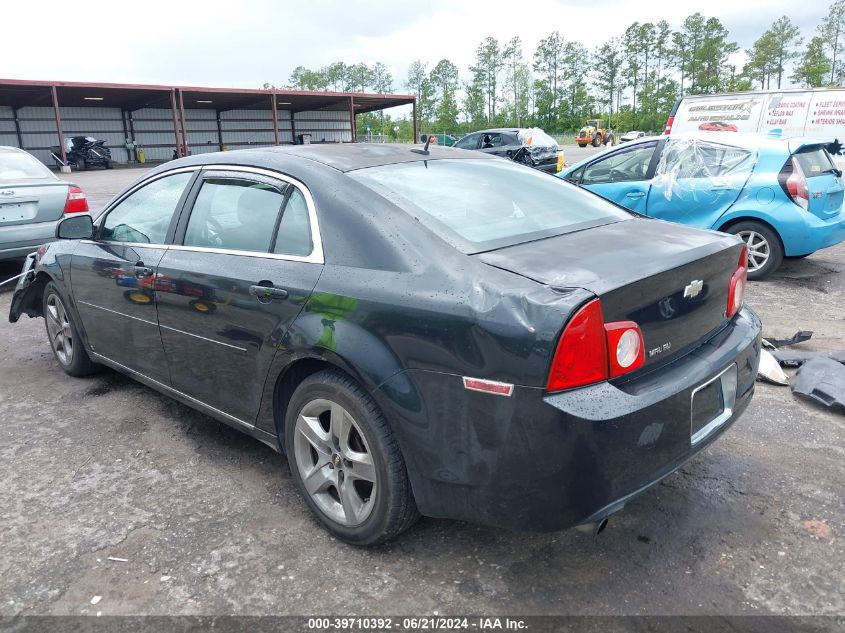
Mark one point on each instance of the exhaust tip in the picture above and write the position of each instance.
(595, 528)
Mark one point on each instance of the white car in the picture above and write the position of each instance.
(631, 136)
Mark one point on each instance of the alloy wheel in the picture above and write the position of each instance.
(335, 462)
(59, 330)
(758, 247)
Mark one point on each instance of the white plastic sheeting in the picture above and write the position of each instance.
(686, 163)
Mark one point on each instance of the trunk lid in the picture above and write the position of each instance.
(28, 202)
(671, 280)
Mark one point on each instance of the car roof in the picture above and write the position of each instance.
(512, 130)
(341, 156)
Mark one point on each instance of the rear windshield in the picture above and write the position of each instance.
(815, 162)
(21, 166)
(479, 205)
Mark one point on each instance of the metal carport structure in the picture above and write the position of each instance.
(38, 115)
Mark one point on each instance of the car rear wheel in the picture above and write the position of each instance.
(346, 462)
(63, 335)
(765, 252)
(80, 164)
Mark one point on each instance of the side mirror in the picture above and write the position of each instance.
(75, 227)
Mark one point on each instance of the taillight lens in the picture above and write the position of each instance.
(590, 350)
(76, 201)
(669, 122)
(736, 293)
(626, 350)
(796, 186)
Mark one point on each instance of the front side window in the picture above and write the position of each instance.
(234, 214)
(477, 205)
(468, 142)
(622, 166)
(144, 216)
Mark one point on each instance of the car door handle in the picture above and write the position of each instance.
(142, 271)
(265, 294)
(635, 194)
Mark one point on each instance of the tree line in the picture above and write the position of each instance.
(632, 80)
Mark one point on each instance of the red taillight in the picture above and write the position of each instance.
(669, 123)
(76, 201)
(590, 350)
(625, 347)
(796, 186)
(736, 293)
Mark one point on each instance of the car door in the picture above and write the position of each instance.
(470, 141)
(246, 257)
(698, 181)
(114, 277)
(623, 176)
(499, 144)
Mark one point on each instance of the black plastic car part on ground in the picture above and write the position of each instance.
(403, 342)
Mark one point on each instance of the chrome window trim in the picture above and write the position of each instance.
(101, 218)
(316, 256)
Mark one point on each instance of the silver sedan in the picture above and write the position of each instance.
(32, 201)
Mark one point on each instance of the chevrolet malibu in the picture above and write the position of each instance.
(420, 331)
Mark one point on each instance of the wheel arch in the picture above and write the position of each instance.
(31, 302)
(736, 219)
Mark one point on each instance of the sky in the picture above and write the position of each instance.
(242, 44)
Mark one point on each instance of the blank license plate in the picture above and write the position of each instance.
(712, 404)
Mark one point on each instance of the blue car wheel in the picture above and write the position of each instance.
(765, 251)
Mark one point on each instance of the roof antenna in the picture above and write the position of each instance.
(424, 150)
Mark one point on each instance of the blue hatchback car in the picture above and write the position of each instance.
(784, 198)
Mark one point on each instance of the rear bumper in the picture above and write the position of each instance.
(820, 233)
(19, 240)
(546, 462)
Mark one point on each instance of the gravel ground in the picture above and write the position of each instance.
(199, 519)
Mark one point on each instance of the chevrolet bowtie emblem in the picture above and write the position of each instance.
(693, 288)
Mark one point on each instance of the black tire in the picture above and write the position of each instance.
(596, 139)
(775, 247)
(77, 362)
(582, 145)
(108, 164)
(80, 164)
(393, 509)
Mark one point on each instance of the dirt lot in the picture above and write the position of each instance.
(209, 522)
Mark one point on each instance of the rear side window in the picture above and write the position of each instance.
(21, 166)
(144, 216)
(234, 214)
(294, 236)
(696, 159)
(478, 205)
(815, 162)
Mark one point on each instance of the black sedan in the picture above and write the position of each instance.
(432, 332)
(517, 144)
